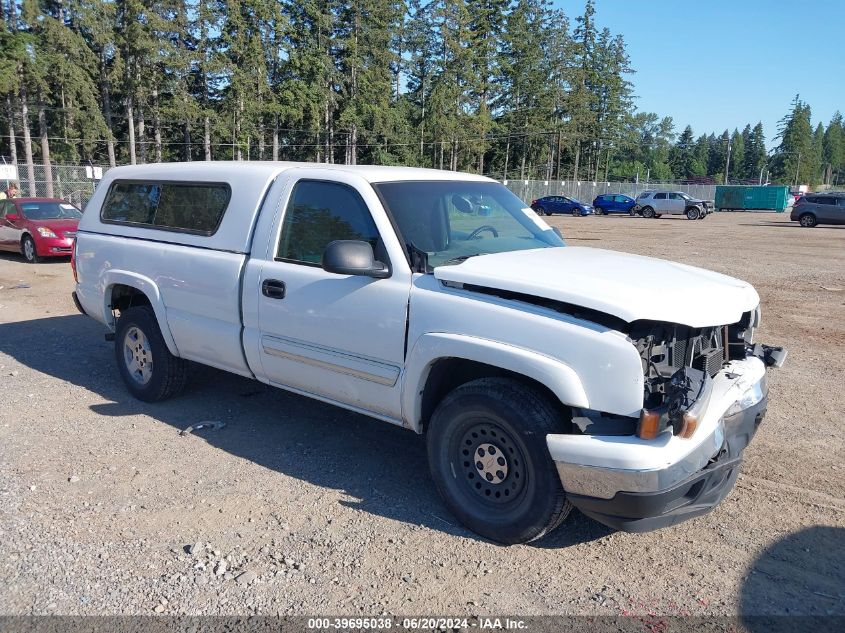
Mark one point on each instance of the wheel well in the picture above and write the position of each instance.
(450, 373)
(124, 297)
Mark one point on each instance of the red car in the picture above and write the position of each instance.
(38, 227)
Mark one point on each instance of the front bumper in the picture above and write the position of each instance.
(54, 246)
(639, 485)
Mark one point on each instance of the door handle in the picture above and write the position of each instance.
(273, 288)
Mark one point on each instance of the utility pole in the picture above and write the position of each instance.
(728, 160)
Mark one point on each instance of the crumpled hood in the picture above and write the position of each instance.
(630, 287)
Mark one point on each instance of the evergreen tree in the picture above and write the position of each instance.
(834, 151)
(737, 157)
(682, 156)
(794, 160)
(755, 159)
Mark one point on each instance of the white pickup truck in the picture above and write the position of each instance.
(544, 376)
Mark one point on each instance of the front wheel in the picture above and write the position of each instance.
(541, 211)
(30, 253)
(648, 212)
(599, 211)
(693, 214)
(807, 220)
(490, 463)
(149, 371)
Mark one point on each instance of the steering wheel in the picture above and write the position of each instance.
(485, 227)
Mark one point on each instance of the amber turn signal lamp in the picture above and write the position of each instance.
(689, 426)
(649, 425)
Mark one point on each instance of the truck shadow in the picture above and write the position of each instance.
(383, 466)
(801, 576)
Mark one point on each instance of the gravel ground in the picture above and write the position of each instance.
(296, 507)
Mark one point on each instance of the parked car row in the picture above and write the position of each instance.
(648, 204)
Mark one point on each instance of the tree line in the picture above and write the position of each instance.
(508, 88)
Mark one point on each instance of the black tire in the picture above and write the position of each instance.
(648, 212)
(29, 251)
(576, 213)
(525, 499)
(693, 214)
(599, 211)
(807, 220)
(166, 375)
(541, 211)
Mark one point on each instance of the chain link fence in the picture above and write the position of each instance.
(585, 191)
(75, 183)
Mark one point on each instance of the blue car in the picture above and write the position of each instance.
(560, 204)
(613, 203)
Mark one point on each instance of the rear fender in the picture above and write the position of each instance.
(560, 378)
(112, 278)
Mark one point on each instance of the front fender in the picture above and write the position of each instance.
(429, 348)
(114, 277)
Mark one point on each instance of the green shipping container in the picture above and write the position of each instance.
(741, 198)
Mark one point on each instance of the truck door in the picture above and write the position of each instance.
(338, 337)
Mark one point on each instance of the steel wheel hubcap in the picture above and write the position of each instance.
(493, 465)
(137, 355)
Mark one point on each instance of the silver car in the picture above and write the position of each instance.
(819, 208)
(653, 204)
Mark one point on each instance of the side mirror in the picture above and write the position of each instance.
(13, 217)
(353, 257)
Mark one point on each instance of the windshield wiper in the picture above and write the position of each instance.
(459, 259)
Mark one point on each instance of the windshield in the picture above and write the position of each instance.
(50, 211)
(453, 220)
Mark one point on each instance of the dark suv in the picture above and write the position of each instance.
(819, 208)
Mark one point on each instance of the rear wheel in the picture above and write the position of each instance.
(149, 370)
(648, 212)
(490, 463)
(599, 211)
(807, 220)
(693, 214)
(28, 250)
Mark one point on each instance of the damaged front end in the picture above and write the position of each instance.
(679, 364)
(705, 396)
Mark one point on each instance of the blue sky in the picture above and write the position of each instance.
(721, 64)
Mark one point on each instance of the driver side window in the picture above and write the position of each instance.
(320, 212)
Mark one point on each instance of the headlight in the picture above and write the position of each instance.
(43, 231)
